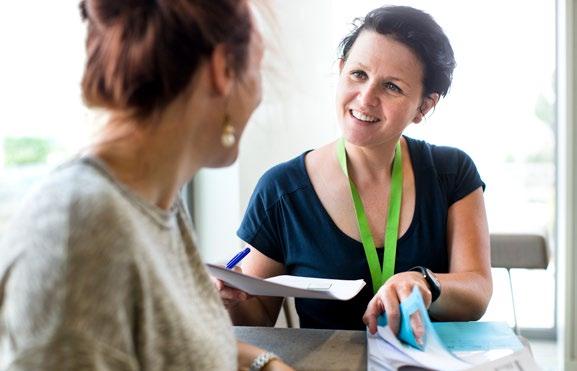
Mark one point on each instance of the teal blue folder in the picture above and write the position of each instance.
(470, 336)
(454, 336)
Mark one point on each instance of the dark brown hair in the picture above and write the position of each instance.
(418, 31)
(141, 54)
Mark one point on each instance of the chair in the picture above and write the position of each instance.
(288, 316)
(524, 251)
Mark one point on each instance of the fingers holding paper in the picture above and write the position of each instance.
(230, 296)
(387, 300)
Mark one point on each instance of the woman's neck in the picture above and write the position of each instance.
(153, 159)
(371, 164)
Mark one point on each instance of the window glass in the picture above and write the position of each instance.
(43, 119)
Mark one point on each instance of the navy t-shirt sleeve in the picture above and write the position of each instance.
(460, 173)
(259, 226)
(467, 179)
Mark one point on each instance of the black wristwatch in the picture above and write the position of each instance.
(432, 281)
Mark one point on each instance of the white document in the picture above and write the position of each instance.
(435, 357)
(289, 286)
(521, 360)
(386, 352)
(383, 355)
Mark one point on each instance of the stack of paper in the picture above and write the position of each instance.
(289, 286)
(447, 345)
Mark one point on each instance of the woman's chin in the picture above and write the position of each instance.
(356, 138)
(226, 158)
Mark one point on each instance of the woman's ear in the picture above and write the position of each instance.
(427, 104)
(341, 64)
(221, 74)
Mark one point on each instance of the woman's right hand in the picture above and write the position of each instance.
(230, 296)
(388, 299)
(277, 365)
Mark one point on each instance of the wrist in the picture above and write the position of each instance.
(261, 362)
(431, 280)
(273, 364)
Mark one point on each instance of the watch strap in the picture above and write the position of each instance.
(432, 282)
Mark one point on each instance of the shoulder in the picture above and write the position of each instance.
(451, 168)
(290, 171)
(74, 193)
(66, 213)
(73, 236)
(283, 179)
(77, 181)
(444, 159)
(66, 239)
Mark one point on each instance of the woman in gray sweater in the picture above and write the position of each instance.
(99, 269)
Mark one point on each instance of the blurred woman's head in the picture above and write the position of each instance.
(143, 55)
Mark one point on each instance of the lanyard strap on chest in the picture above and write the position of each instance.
(379, 276)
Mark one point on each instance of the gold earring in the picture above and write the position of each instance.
(227, 139)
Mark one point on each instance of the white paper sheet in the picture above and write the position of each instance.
(521, 360)
(435, 356)
(386, 352)
(289, 286)
(383, 355)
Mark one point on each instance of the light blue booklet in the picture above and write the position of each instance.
(445, 345)
(472, 336)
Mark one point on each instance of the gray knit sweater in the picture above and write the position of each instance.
(93, 278)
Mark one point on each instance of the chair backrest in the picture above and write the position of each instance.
(519, 251)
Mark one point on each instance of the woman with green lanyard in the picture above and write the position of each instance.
(375, 204)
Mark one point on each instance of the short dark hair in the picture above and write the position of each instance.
(143, 53)
(418, 31)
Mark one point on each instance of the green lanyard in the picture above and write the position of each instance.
(378, 276)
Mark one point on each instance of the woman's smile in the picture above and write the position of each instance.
(363, 117)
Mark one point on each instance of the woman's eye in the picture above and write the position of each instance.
(392, 87)
(358, 75)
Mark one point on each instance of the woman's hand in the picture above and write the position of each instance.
(230, 296)
(247, 353)
(388, 300)
(277, 365)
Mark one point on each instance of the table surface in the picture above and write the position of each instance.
(310, 349)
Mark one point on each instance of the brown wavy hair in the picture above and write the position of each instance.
(141, 54)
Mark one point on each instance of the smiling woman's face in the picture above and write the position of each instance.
(379, 91)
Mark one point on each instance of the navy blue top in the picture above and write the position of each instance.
(286, 221)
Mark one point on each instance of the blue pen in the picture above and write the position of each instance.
(237, 258)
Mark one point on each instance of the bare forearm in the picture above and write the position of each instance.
(254, 312)
(464, 296)
(247, 353)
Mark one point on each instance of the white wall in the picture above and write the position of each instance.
(215, 212)
(278, 131)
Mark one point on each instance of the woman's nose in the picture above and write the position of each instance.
(368, 96)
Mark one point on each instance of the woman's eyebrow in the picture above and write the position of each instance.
(357, 64)
(396, 79)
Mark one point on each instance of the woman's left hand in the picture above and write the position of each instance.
(388, 300)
